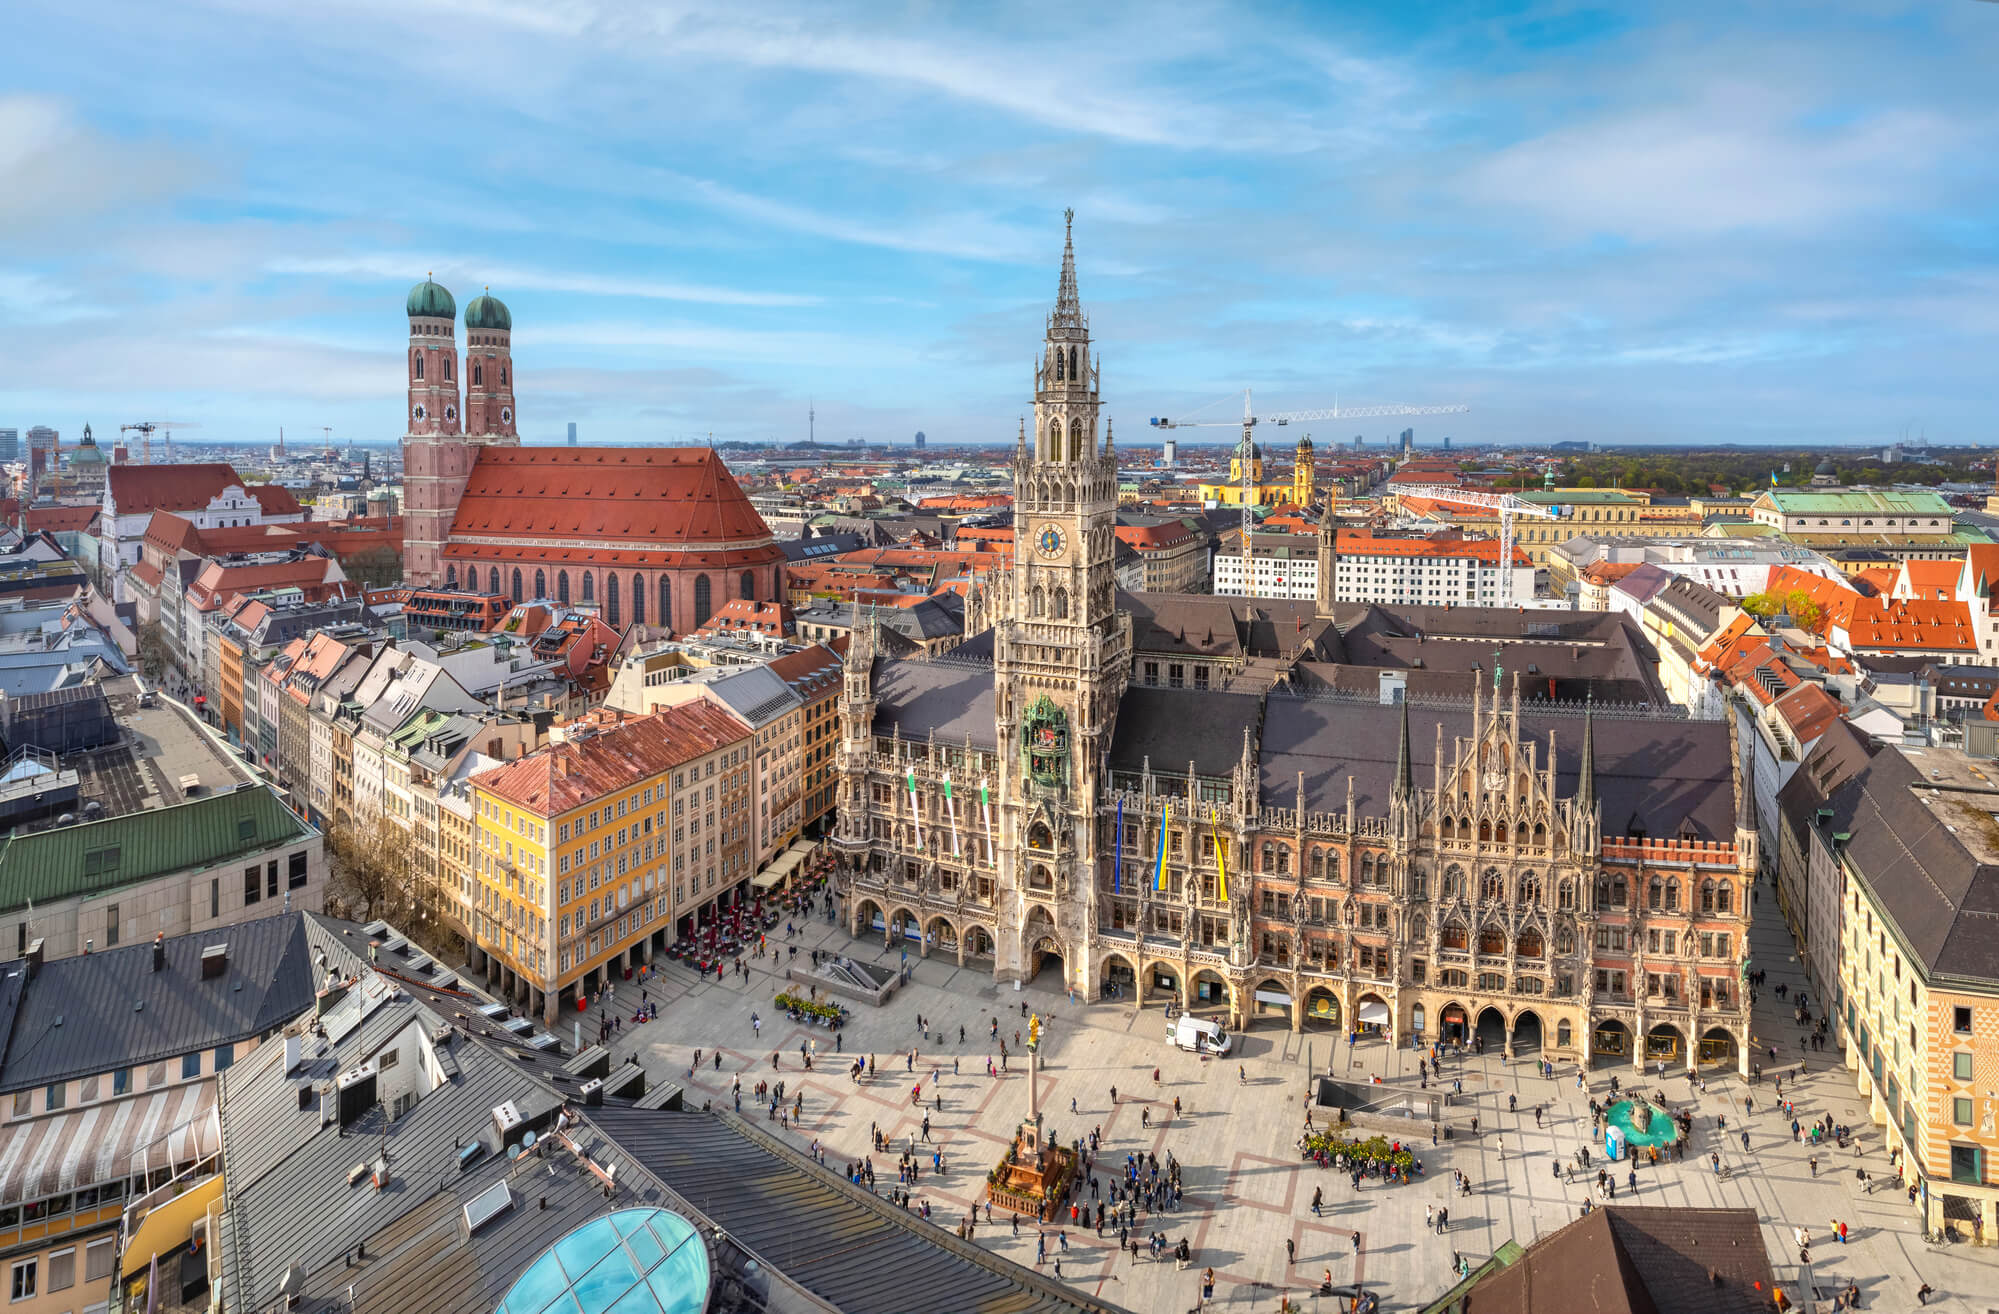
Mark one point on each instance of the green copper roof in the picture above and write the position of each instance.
(428, 298)
(98, 856)
(486, 311)
(1857, 501)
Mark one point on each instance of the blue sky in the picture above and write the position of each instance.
(1674, 222)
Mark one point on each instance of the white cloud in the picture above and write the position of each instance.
(472, 270)
(1734, 160)
(56, 172)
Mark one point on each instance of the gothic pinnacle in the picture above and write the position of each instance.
(1586, 774)
(1405, 772)
(1068, 304)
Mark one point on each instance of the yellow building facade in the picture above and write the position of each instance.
(588, 849)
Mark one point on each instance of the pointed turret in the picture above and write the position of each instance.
(1405, 771)
(1586, 774)
(1068, 303)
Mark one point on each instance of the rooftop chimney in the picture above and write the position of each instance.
(34, 957)
(214, 960)
(160, 951)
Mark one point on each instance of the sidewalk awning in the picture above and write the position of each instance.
(175, 1127)
(782, 866)
(1373, 1012)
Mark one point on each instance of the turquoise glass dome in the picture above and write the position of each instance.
(429, 298)
(634, 1261)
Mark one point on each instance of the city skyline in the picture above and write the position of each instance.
(1664, 225)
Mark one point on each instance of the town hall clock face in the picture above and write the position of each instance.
(1049, 541)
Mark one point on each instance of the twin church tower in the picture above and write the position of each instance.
(443, 441)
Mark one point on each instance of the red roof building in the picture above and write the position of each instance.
(646, 535)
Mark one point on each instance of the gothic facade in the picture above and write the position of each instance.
(1540, 877)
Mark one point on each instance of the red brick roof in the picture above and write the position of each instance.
(569, 775)
(1153, 538)
(1352, 543)
(739, 615)
(137, 488)
(673, 498)
(276, 500)
(62, 519)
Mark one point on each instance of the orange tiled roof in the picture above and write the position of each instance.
(1835, 600)
(1353, 542)
(140, 488)
(1915, 624)
(1931, 579)
(653, 500)
(1738, 635)
(569, 775)
(1808, 710)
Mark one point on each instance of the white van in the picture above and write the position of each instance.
(1197, 1034)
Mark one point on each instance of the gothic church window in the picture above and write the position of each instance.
(589, 587)
(493, 580)
(1061, 611)
(562, 587)
(638, 599)
(416, 365)
(749, 586)
(541, 584)
(451, 577)
(1072, 364)
(1037, 602)
(517, 584)
(703, 602)
(447, 369)
(666, 601)
(478, 375)
(611, 599)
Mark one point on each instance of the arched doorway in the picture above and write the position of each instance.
(904, 930)
(1718, 1046)
(1454, 1027)
(1666, 1043)
(1491, 1034)
(1527, 1032)
(1043, 950)
(1270, 1001)
(867, 917)
(1371, 1013)
(940, 936)
(1162, 981)
(1611, 1043)
(1119, 981)
(978, 944)
(1322, 1010)
(1211, 993)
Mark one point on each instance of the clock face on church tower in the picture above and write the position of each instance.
(1049, 541)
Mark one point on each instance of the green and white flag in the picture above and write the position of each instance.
(986, 807)
(915, 808)
(951, 807)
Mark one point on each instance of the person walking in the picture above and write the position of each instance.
(1290, 1251)
(1318, 1198)
(1815, 1165)
(1429, 1218)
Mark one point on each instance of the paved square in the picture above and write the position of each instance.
(1246, 1190)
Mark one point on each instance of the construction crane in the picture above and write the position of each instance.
(1249, 422)
(146, 427)
(1506, 504)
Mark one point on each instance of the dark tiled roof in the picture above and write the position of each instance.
(844, 1245)
(1929, 851)
(1668, 777)
(1623, 1259)
(107, 1010)
(950, 696)
(1172, 727)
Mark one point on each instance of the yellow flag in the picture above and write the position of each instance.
(1221, 857)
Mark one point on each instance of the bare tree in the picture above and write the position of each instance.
(374, 870)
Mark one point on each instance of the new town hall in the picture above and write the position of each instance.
(1405, 821)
